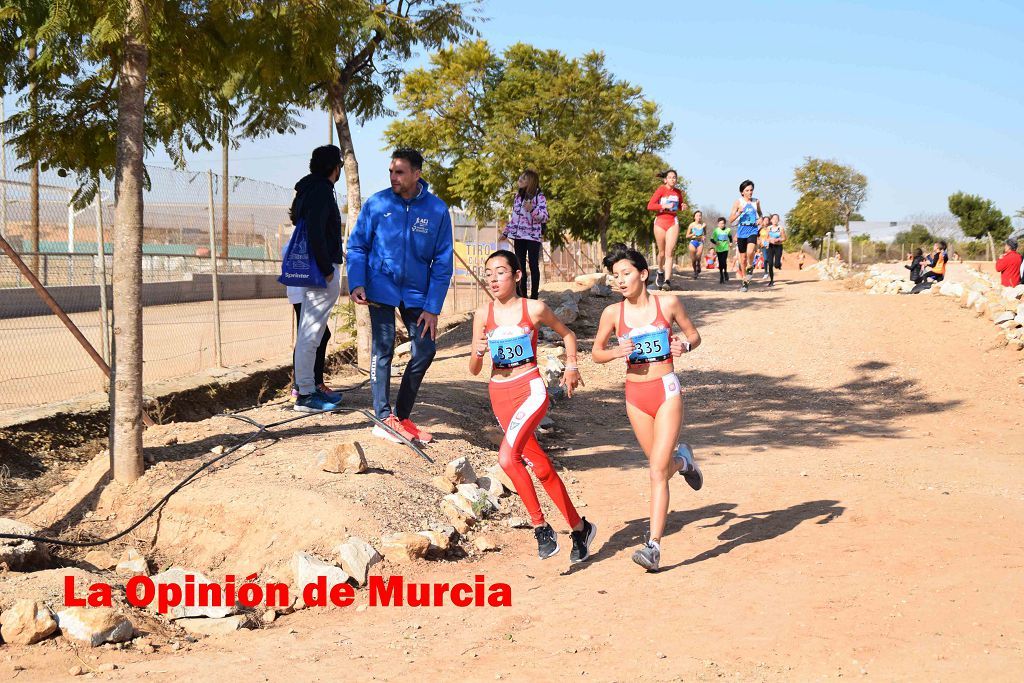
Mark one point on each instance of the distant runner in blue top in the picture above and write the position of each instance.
(746, 210)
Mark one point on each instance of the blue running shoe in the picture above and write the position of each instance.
(316, 402)
(690, 471)
(332, 395)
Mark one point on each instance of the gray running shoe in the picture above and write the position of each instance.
(659, 279)
(547, 541)
(648, 556)
(690, 471)
(581, 541)
(744, 287)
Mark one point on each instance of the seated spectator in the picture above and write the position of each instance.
(915, 265)
(1009, 264)
(937, 263)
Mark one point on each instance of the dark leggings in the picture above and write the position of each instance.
(321, 351)
(723, 265)
(774, 259)
(528, 250)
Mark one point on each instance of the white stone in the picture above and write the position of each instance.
(462, 504)
(307, 569)
(95, 625)
(439, 540)
(404, 349)
(493, 487)
(1003, 317)
(484, 544)
(176, 575)
(590, 279)
(133, 564)
(478, 497)
(27, 622)
(951, 289)
(459, 471)
(356, 557)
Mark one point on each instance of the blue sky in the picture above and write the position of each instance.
(923, 98)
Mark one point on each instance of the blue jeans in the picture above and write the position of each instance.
(382, 328)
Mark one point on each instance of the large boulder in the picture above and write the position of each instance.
(177, 576)
(357, 557)
(21, 555)
(27, 622)
(343, 458)
(404, 547)
(95, 626)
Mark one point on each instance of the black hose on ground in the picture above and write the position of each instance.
(260, 431)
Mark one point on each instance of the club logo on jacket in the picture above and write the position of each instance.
(421, 225)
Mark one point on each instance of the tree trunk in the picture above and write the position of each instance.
(353, 198)
(224, 129)
(127, 280)
(849, 244)
(33, 178)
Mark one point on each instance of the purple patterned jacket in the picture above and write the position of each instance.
(523, 225)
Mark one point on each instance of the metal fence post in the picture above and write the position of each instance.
(71, 243)
(213, 277)
(102, 253)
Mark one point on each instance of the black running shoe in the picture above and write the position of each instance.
(689, 469)
(659, 279)
(547, 541)
(581, 541)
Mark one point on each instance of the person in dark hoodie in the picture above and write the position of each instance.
(400, 255)
(316, 203)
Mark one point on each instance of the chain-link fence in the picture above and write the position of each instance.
(183, 245)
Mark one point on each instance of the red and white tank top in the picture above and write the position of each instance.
(651, 342)
(511, 345)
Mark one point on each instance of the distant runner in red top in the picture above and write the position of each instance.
(1008, 264)
(667, 201)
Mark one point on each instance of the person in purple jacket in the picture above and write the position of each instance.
(525, 227)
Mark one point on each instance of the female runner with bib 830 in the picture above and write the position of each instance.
(642, 322)
(506, 330)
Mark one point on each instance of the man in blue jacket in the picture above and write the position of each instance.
(400, 256)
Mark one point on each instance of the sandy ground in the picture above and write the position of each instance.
(860, 517)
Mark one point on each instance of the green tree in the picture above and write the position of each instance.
(483, 118)
(829, 188)
(917, 235)
(979, 217)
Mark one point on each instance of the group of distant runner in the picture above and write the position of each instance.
(759, 237)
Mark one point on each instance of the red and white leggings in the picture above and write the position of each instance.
(520, 404)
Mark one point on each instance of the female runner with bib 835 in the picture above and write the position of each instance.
(506, 330)
(642, 322)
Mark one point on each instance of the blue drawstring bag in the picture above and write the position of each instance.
(298, 267)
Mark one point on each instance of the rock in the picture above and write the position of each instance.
(602, 290)
(217, 450)
(518, 523)
(133, 564)
(568, 312)
(95, 625)
(100, 559)
(20, 555)
(484, 544)
(556, 393)
(460, 503)
(459, 471)
(552, 352)
(439, 540)
(404, 349)
(269, 616)
(214, 627)
(404, 547)
(76, 670)
(1001, 340)
(498, 474)
(1005, 316)
(176, 575)
(494, 488)
(356, 556)
(549, 335)
(443, 485)
(480, 499)
(307, 569)
(954, 289)
(27, 622)
(343, 458)
(590, 279)
(459, 519)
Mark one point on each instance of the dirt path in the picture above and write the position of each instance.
(861, 516)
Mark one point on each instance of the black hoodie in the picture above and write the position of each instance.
(316, 202)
